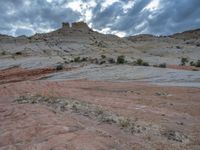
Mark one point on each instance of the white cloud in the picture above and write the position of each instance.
(49, 1)
(153, 5)
(85, 9)
(107, 3)
(74, 5)
(128, 6)
(119, 33)
(141, 25)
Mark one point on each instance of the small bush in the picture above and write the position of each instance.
(184, 61)
(59, 67)
(102, 62)
(77, 59)
(121, 59)
(139, 61)
(195, 70)
(3, 53)
(124, 123)
(197, 63)
(145, 64)
(18, 53)
(111, 60)
(192, 63)
(103, 56)
(84, 59)
(198, 45)
(163, 65)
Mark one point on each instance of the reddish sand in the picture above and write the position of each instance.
(178, 67)
(17, 74)
(39, 127)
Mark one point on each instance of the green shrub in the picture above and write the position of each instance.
(192, 63)
(103, 56)
(145, 64)
(195, 70)
(197, 63)
(139, 61)
(18, 53)
(124, 123)
(184, 61)
(102, 62)
(3, 53)
(59, 67)
(77, 59)
(163, 65)
(84, 59)
(121, 59)
(111, 60)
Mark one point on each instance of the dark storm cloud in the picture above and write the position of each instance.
(176, 16)
(171, 16)
(130, 17)
(20, 15)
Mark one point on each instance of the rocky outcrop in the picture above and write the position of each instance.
(65, 25)
(80, 25)
(76, 26)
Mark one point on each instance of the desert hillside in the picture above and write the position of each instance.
(79, 40)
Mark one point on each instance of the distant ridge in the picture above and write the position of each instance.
(68, 29)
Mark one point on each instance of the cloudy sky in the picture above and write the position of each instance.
(119, 17)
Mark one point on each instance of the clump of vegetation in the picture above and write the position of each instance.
(124, 123)
(59, 67)
(111, 60)
(184, 61)
(18, 53)
(163, 65)
(121, 59)
(198, 45)
(3, 53)
(145, 64)
(77, 59)
(95, 60)
(84, 59)
(192, 63)
(102, 62)
(139, 61)
(103, 56)
(195, 70)
(197, 63)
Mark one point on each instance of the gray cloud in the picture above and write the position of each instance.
(19, 17)
(36, 16)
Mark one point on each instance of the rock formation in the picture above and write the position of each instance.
(76, 26)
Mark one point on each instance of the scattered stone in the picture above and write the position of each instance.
(174, 136)
(161, 94)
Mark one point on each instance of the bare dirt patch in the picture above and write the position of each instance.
(17, 74)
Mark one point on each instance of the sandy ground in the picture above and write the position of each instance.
(134, 115)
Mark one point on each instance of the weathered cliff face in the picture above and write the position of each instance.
(80, 26)
(77, 26)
